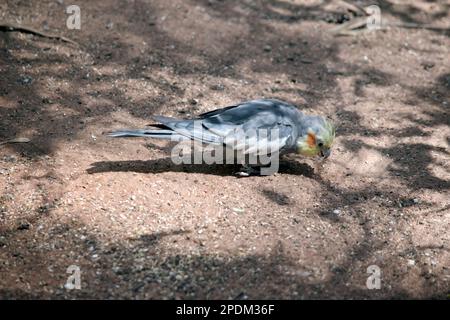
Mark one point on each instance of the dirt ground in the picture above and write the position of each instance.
(139, 226)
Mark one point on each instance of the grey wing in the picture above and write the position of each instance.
(255, 127)
(192, 129)
(214, 126)
(261, 140)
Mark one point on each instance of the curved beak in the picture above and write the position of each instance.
(325, 153)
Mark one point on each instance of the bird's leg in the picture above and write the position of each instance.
(247, 171)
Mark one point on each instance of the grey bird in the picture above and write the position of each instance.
(259, 127)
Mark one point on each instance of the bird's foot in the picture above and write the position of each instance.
(247, 171)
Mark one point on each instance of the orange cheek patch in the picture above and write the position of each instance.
(311, 140)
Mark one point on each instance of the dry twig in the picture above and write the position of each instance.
(8, 26)
(15, 140)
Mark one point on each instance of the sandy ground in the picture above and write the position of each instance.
(139, 226)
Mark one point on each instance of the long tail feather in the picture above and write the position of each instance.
(161, 134)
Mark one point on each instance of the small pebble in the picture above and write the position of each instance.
(25, 80)
(9, 158)
(218, 87)
(23, 226)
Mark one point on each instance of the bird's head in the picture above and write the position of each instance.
(317, 137)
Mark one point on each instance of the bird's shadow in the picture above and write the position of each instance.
(167, 165)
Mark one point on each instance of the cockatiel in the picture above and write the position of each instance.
(259, 127)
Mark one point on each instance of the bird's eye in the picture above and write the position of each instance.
(320, 144)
